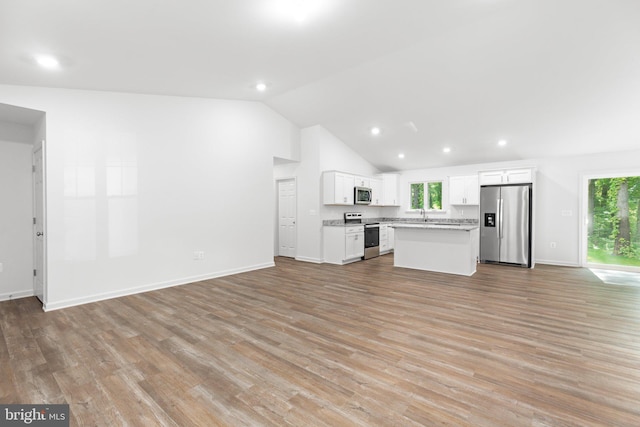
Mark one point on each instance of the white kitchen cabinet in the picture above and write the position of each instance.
(362, 181)
(509, 176)
(491, 178)
(519, 176)
(390, 189)
(463, 190)
(338, 188)
(354, 245)
(377, 196)
(342, 244)
(386, 238)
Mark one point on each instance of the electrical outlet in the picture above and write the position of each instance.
(553, 245)
(198, 255)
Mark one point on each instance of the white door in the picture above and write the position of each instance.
(287, 218)
(38, 226)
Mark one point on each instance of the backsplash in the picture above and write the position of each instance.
(389, 219)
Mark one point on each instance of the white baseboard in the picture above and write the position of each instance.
(50, 306)
(559, 264)
(307, 259)
(16, 294)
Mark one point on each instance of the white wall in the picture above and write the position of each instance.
(16, 132)
(16, 211)
(137, 183)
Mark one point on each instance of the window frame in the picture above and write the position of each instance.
(426, 183)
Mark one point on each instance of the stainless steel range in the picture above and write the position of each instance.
(371, 240)
(371, 233)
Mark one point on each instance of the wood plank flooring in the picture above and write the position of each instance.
(365, 344)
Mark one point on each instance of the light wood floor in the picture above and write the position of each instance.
(364, 344)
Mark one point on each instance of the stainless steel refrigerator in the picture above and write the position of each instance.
(505, 224)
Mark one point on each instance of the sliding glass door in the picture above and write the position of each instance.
(612, 225)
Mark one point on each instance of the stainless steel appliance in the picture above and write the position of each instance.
(371, 234)
(505, 224)
(353, 217)
(371, 240)
(362, 196)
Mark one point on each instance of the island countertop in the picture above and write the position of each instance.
(432, 226)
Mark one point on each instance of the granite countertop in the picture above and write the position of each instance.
(436, 226)
(443, 223)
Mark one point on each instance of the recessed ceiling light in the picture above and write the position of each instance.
(298, 11)
(375, 130)
(401, 156)
(446, 150)
(261, 86)
(46, 61)
(502, 142)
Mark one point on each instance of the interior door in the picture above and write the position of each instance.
(38, 226)
(287, 218)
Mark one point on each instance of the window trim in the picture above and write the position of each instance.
(441, 181)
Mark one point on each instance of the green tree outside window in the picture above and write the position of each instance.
(614, 221)
(431, 199)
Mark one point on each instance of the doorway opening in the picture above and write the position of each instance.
(612, 231)
(22, 190)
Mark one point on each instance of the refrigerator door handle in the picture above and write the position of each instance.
(500, 212)
(498, 219)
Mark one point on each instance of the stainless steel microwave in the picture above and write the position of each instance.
(362, 196)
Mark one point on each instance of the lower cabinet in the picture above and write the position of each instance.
(343, 244)
(386, 238)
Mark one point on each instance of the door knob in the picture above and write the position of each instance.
(39, 233)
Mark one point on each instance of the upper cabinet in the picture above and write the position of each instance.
(390, 189)
(511, 176)
(377, 195)
(362, 181)
(463, 190)
(338, 188)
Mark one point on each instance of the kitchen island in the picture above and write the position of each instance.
(445, 248)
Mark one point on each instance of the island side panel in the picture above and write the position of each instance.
(439, 250)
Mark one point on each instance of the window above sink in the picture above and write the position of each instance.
(426, 195)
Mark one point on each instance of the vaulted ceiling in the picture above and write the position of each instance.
(550, 77)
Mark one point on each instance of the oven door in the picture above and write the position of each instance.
(371, 241)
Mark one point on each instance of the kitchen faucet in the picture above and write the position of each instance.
(423, 212)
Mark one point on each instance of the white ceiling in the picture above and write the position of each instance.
(553, 77)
